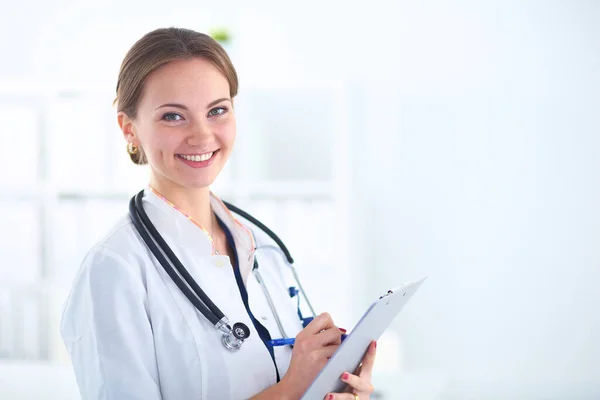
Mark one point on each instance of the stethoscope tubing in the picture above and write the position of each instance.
(150, 235)
(184, 280)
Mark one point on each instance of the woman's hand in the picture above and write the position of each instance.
(358, 385)
(313, 347)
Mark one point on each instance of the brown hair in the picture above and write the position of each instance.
(157, 48)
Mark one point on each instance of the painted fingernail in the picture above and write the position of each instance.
(374, 347)
(342, 330)
(345, 376)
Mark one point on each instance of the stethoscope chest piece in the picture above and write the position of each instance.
(234, 339)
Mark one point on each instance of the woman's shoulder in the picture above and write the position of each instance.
(119, 250)
(112, 268)
(120, 238)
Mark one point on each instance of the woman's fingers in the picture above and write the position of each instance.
(329, 337)
(340, 396)
(360, 382)
(322, 331)
(357, 383)
(368, 361)
(320, 323)
(328, 351)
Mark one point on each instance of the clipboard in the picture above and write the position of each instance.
(372, 324)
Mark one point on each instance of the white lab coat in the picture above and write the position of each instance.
(132, 334)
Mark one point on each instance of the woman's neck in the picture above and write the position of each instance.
(193, 202)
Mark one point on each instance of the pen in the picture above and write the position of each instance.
(290, 341)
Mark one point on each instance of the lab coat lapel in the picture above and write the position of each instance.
(194, 248)
(173, 224)
(244, 240)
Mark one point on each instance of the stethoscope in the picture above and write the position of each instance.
(232, 336)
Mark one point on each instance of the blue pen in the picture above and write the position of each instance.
(290, 341)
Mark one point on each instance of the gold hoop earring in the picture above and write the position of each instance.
(131, 149)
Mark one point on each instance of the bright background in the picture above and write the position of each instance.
(383, 141)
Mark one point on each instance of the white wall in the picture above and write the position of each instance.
(478, 166)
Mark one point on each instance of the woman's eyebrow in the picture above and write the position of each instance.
(212, 103)
(184, 107)
(175, 105)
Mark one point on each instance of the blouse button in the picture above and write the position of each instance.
(219, 263)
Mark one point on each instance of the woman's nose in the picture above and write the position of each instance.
(200, 133)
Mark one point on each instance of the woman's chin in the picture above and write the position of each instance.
(198, 183)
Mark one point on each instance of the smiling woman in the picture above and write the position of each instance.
(184, 119)
(152, 59)
(131, 331)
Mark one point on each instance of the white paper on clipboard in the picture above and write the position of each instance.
(370, 327)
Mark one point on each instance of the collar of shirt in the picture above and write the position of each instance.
(167, 217)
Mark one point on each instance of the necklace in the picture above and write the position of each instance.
(213, 235)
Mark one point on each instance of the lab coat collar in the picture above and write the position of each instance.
(187, 233)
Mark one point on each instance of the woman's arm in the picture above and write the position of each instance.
(107, 332)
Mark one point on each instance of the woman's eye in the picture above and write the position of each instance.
(172, 117)
(217, 111)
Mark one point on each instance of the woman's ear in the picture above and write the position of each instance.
(126, 125)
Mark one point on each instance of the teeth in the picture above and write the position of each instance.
(197, 157)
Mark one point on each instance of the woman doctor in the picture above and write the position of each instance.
(130, 331)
